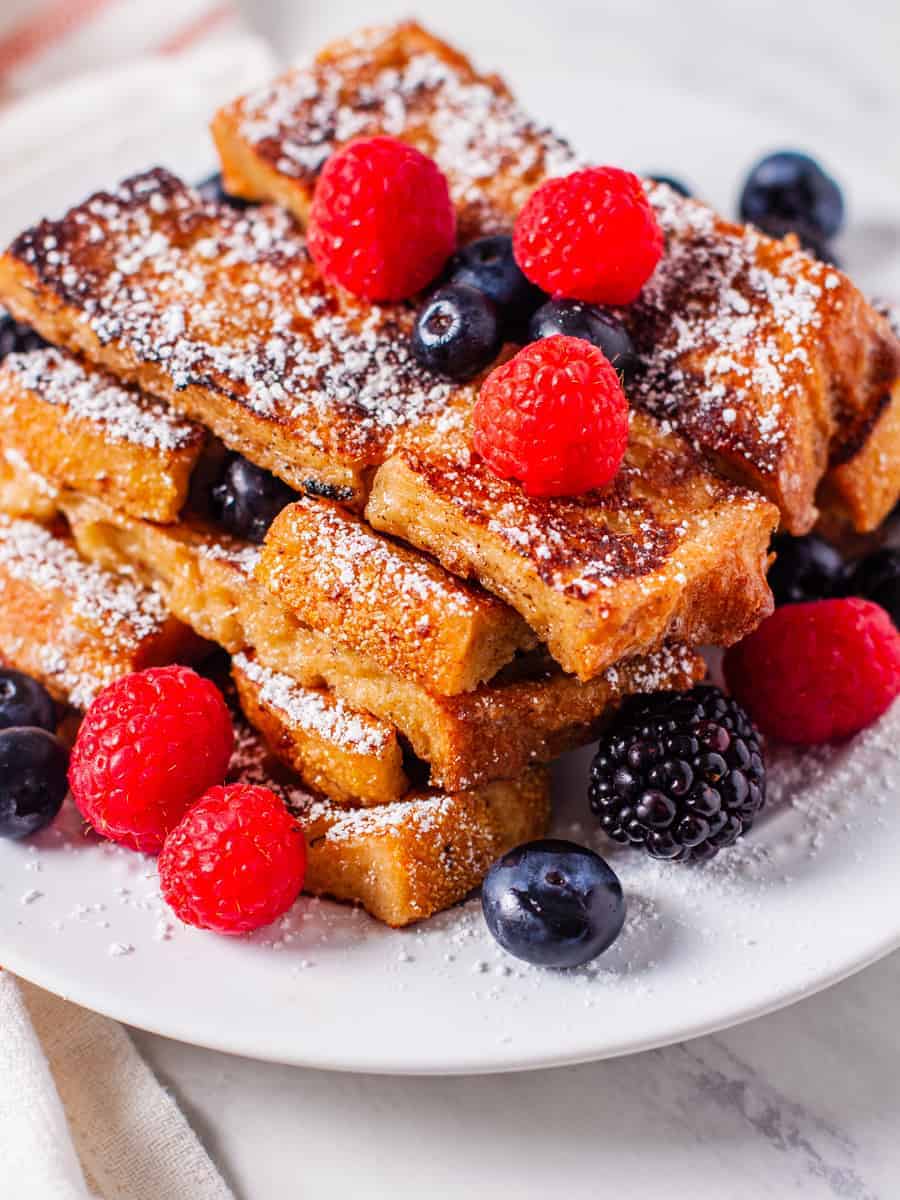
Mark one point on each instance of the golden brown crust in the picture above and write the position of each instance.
(87, 432)
(405, 861)
(73, 625)
(668, 551)
(401, 81)
(861, 487)
(526, 715)
(349, 756)
(223, 315)
(386, 602)
(773, 364)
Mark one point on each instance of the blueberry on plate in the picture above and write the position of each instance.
(805, 568)
(33, 784)
(24, 701)
(17, 338)
(247, 499)
(488, 266)
(670, 181)
(595, 325)
(789, 190)
(553, 903)
(679, 774)
(877, 577)
(212, 189)
(457, 332)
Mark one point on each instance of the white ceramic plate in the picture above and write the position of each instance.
(811, 897)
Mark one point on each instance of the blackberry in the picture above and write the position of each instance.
(679, 773)
(16, 337)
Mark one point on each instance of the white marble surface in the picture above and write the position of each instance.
(805, 1102)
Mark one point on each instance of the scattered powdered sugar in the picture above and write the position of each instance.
(724, 326)
(476, 132)
(244, 557)
(123, 414)
(316, 711)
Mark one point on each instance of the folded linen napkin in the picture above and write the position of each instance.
(81, 1115)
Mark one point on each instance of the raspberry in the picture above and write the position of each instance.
(554, 417)
(819, 671)
(148, 747)
(591, 236)
(235, 862)
(382, 223)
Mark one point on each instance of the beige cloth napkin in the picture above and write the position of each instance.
(81, 1114)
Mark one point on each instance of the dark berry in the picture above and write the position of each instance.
(33, 785)
(793, 191)
(488, 266)
(877, 577)
(595, 325)
(553, 903)
(212, 189)
(805, 568)
(679, 773)
(247, 499)
(675, 184)
(457, 332)
(17, 338)
(23, 701)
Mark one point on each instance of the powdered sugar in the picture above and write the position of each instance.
(123, 414)
(315, 711)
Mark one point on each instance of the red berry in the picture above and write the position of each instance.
(235, 862)
(148, 747)
(817, 672)
(554, 417)
(382, 223)
(591, 236)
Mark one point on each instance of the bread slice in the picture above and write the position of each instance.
(388, 603)
(404, 861)
(23, 492)
(531, 712)
(773, 364)
(351, 757)
(224, 315)
(76, 626)
(400, 81)
(87, 432)
(667, 551)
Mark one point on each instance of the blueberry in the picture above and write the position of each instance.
(553, 903)
(675, 184)
(23, 701)
(805, 568)
(457, 331)
(247, 499)
(488, 266)
(877, 577)
(212, 189)
(16, 338)
(595, 325)
(33, 785)
(793, 191)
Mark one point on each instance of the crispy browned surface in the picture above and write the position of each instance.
(527, 714)
(223, 315)
(351, 757)
(74, 625)
(386, 602)
(84, 431)
(400, 81)
(407, 860)
(773, 364)
(860, 488)
(667, 551)
(24, 493)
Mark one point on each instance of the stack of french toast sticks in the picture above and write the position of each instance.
(414, 638)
